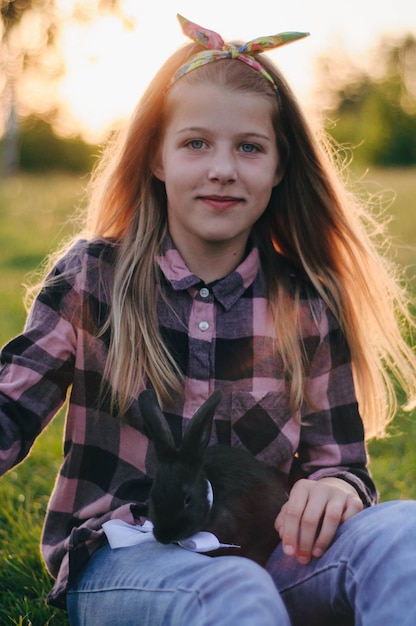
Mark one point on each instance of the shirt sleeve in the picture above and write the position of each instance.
(36, 368)
(332, 441)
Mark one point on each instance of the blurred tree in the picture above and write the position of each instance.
(11, 13)
(30, 63)
(374, 110)
(42, 150)
(26, 31)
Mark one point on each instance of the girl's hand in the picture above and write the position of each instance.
(310, 518)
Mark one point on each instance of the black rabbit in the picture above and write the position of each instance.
(247, 495)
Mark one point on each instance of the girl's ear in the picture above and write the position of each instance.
(280, 172)
(157, 167)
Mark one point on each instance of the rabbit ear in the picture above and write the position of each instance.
(155, 425)
(198, 433)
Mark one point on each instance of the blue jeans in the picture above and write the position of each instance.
(366, 578)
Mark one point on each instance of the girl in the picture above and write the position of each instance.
(222, 252)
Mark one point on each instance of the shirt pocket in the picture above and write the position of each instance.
(261, 423)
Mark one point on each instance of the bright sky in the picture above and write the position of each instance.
(109, 62)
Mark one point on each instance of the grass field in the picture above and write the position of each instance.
(34, 212)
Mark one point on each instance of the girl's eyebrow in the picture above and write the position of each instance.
(243, 134)
(192, 129)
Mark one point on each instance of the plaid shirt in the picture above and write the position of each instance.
(221, 336)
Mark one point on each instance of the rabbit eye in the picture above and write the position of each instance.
(187, 501)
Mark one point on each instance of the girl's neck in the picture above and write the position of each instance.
(214, 261)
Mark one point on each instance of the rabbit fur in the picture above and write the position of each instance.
(247, 494)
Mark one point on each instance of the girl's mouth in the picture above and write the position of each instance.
(221, 202)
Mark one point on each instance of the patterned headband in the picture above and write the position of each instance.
(217, 49)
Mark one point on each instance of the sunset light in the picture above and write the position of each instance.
(107, 52)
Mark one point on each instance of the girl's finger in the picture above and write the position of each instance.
(312, 521)
(293, 515)
(337, 511)
(330, 523)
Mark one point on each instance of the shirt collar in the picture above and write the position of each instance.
(227, 290)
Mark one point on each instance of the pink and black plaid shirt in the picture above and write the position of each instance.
(221, 335)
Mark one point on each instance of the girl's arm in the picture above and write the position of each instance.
(36, 369)
(331, 456)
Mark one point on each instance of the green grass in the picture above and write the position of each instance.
(24, 582)
(34, 211)
(396, 189)
(35, 215)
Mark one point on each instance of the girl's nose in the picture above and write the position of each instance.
(223, 167)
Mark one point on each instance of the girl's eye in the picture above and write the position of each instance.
(249, 148)
(196, 144)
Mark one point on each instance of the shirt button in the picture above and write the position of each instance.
(203, 325)
(204, 292)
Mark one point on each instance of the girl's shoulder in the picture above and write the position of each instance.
(87, 252)
(79, 280)
(86, 266)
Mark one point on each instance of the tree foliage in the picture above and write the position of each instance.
(26, 33)
(31, 64)
(375, 110)
(42, 150)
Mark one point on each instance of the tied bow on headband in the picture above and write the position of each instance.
(217, 49)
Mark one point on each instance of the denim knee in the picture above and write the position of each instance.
(166, 585)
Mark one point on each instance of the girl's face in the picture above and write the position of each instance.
(219, 163)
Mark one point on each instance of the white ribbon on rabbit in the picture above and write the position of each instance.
(121, 535)
(210, 494)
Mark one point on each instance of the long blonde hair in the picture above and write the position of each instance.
(310, 219)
